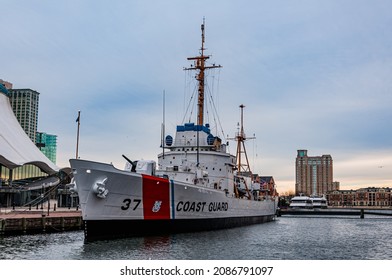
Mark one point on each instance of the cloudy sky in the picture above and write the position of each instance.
(313, 75)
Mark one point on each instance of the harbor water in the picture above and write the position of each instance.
(286, 238)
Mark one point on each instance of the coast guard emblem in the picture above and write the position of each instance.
(157, 206)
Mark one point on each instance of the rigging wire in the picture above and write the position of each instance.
(191, 100)
(215, 113)
(211, 95)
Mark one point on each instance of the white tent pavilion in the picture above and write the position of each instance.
(16, 148)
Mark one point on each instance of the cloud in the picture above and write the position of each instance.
(366, 168)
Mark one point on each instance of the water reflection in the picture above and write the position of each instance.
(285, 238)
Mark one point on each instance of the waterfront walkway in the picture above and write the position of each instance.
(47, 208)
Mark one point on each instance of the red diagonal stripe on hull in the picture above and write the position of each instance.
(156, 198)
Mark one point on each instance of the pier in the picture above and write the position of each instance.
(29, 221)
(359, 212)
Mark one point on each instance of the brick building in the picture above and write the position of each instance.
(313, 174)
(371, 196)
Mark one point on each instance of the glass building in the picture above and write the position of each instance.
(47, 143)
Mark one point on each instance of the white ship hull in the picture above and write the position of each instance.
(118, 203)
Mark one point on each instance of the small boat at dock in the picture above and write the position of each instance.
(308, 202)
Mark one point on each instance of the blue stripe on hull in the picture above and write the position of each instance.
(111, 229)
(172, 200)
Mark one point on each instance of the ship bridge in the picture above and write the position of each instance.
(192, 135)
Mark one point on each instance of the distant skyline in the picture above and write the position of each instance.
(312, 75)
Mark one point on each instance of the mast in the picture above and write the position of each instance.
(200, 65)
(243, 167)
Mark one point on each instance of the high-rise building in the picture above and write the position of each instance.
(24, 103)
(313, 174)
(6, 84)
(47, 143)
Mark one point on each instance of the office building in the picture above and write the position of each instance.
(24, 103)
(313, 174)
(47, 143)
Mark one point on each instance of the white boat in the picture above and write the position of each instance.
(301, 202)
(308, 202)
(196, 185)
(319, 202)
